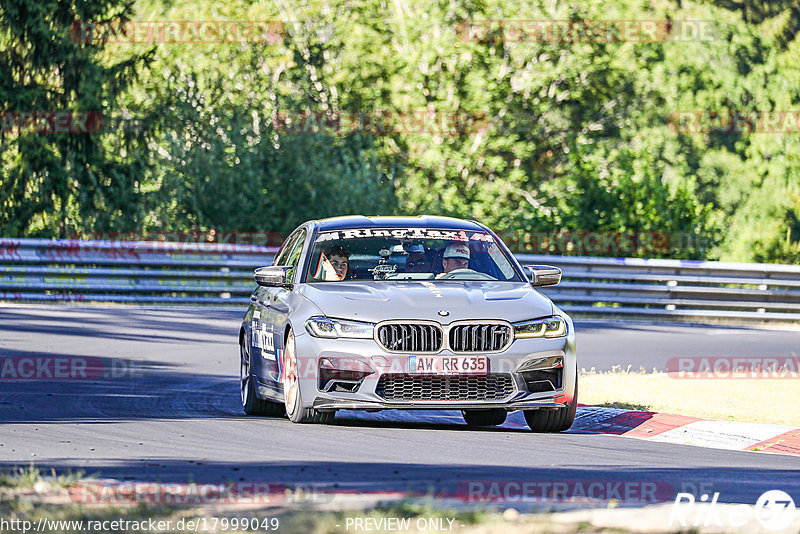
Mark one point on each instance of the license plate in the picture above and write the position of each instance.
(448, 365)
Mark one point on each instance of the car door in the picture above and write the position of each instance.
(273, 312)
(266, 333)
(281, 297)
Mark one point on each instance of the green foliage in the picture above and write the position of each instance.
(573, 136)
(56, 183)
(27, 477)
(229, 164)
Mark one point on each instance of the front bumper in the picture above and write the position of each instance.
(520, 401)
(521, 351)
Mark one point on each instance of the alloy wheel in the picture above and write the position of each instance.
(244, 373)
(291, 383)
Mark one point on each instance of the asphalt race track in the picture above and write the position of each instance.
(164, 407)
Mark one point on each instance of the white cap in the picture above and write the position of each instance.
(458, 250)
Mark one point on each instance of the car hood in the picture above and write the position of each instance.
(379, 301)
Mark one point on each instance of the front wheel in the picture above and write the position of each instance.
(251, 404)
(291, 390)
(477, 418)
(557, 420)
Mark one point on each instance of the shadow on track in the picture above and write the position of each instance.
(70, 388)
(140, 324)
(471, 484)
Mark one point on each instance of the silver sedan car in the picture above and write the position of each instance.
(410, 313)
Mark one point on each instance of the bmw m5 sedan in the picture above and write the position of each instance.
(409, 313)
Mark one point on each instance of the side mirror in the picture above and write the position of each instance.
(271, 276)
(543, 275)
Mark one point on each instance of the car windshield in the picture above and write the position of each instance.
(407, 254)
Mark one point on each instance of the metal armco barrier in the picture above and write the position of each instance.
(217, 273)
(134, 271)
(698, 291)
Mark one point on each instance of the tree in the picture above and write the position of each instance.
(62, 172)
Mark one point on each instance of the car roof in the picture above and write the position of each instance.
(421, 221)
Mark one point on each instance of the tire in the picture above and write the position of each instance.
(557, 420)
(251, 404)
(478, 418)
(291, 390)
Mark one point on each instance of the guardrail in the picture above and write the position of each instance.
(134, 271)
(701, 291)
(214, 273)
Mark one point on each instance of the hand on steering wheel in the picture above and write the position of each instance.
(455, 272)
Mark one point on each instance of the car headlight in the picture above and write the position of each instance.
(554, 326)
(333, 328)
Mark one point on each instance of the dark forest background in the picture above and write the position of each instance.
(576, 136)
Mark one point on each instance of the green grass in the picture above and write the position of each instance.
(28, 476)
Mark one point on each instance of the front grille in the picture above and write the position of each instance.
(495, 386)
(479, 337)
(410, 337)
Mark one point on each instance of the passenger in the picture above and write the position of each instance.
(417, 261)
(456, 256)
(338, 258)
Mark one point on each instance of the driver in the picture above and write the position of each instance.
(456, 256)
(417, 261)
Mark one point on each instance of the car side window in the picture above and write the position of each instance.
(293, 257)
(288, 246)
